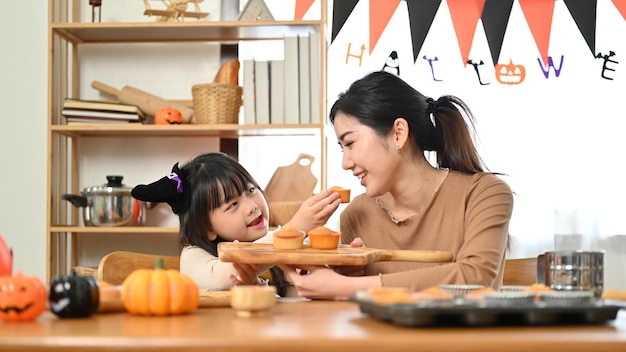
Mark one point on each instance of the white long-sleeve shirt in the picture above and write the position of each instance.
(208, 271)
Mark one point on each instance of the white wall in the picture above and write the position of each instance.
(23, 92)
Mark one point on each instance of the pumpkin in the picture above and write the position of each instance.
(73, 296)
(510, 73)
(168, 116)
(22, 298)
(159, 292)
(6, 260)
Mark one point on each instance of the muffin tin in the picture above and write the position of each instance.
(505, 310)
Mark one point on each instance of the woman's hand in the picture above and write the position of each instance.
(315, 282)
(315, 211)
(321, 282)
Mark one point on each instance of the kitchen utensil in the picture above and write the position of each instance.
(265, 253)
(572, 270)
(294, 182)
(110, 204)
(252, 300)
(147, 102)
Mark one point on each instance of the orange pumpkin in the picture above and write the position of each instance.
(510, 73)
(159, 292)
(22, 298)
(168, 116)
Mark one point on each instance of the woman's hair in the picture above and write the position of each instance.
(379, 98)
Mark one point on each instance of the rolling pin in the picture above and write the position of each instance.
(145, 101)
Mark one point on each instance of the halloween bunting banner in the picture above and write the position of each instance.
(465, 15)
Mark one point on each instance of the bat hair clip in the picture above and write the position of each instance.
(170, 189)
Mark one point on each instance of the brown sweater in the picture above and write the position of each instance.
(468, 216)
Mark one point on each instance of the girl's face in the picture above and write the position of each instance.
(244, 218)
(368, 156)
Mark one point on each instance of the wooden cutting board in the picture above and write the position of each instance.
(111, 299)
(214, 298)
(292, 182)
(265, 253)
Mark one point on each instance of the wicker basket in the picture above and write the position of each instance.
(216, 103)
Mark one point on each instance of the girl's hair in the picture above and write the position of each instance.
(211, 178)
(379, 98)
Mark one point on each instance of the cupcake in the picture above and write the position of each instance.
(344, 193)
(324, 238)
(435, 293)
(391, 295)
(288, 238)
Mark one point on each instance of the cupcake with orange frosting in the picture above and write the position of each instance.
(344, 193)
(324, 238)
(288, 237)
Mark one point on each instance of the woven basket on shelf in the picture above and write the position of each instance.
(216, 103)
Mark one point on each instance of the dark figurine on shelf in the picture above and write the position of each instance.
(94, 4)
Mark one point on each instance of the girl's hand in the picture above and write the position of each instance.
(315, 211)
(246, 274)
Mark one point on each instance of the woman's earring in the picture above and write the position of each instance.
(398, 149)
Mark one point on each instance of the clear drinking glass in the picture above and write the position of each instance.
(567, 232)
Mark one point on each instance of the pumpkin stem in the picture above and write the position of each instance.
(159, 263)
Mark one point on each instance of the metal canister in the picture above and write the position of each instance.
(572, 270)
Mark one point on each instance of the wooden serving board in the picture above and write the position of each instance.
(265, 253)
(294, 182)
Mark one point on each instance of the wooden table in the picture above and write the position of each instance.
(304, 326)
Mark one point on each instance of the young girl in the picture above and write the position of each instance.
(217, 200)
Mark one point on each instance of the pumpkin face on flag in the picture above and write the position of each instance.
(510, 73)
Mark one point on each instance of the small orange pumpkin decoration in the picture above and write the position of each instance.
(22, 298)
(168, 116)
(510, 73)
(159, 292)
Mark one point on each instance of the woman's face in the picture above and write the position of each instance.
(368, 156)
(244, 218)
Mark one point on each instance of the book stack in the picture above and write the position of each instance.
(91, 111)
(285, 91)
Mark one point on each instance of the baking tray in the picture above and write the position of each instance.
(465, 312)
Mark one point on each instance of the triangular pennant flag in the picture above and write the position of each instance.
(495, 18)
(584, 14)
(621, 7)
(341, 11)
(302, 6)
(465, 15)
(421, 16)
(538, 14)
(380, 14)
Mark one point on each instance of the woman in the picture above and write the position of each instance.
(384, 126)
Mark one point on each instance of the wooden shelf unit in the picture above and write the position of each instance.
(66, 34)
